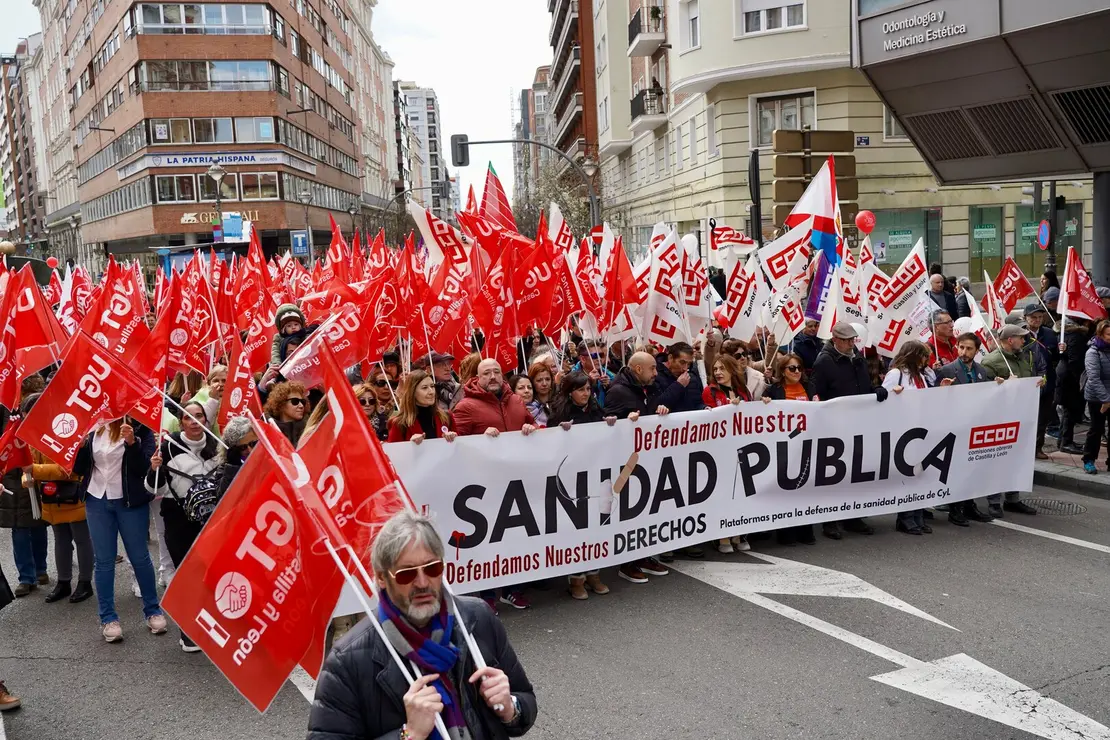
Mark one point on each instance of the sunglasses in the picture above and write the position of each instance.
(248, 446)
(295, 401)
(738, 355)
(368, 402)
(405, 576)
(794, 368)
(384, 383)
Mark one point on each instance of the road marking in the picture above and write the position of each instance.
(957, 681)
(3, 735)
(1053, 536)
(299, 678)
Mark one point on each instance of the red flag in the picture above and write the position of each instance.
(495, 204)
(240, 394)
(1010, 285)
(345, 333)
(337, 257)
(566, 299)
(118, 320)
(726, 236)
(223, 283)
(36, 336)
(1077, 292)
(251, 282)
(534, 287)
(585, 275)
(354, 478)
(446, 310)
(471, 201)
(260, 335)
(91, 386)
(620, 286)
(249, 590)
(14, 452)
(53, 292)
(140, 286)
(486, 233)
(204, 331)
(82, 293)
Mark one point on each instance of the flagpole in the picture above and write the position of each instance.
(388, 385)
(180, 408)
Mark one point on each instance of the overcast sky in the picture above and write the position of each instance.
(474, 60)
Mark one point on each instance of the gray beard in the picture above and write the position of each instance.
(496, 391)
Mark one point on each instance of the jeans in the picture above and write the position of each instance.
(29, 546)
(109, 519)
(65, 537)
(914, 519)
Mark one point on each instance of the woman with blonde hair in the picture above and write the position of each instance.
(418, 416)
(211, 394)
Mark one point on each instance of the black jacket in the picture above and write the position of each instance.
(673, 394)
(945, 302)
(807, 348)
(569, 411)
(626, 396)
(360, 692)
(835, 375)
(777, 393)
(1046, 354)
(136, 464)
(1069, 368)
(963, 308)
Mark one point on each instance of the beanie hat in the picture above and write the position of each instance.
(237, 428)
(287, 311)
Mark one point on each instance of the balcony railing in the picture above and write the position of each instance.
(574, 109)
(646, 30)
(207, 86)
(649, 103)
(565, 11)
(569, 70)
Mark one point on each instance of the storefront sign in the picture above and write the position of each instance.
(923, 28)
(985, 233)
(183, 159)
(926, 27)
(899, 238)
(207, 217)
(1028, 230)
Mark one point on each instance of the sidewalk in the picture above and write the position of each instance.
(1065, 472)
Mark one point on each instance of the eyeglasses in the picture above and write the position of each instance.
(295, 401)
(794, 368)
(739, 355)
(383, 383)
(405, 576)
(368, 402)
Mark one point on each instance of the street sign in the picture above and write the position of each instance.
(785, 141)
(299, 240)
(1044, 234)
(793, 165)
(863, 141)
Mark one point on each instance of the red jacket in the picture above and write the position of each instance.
(479, 410)
(397, 433)
(715, 396)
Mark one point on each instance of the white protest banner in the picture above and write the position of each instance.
(514, 508)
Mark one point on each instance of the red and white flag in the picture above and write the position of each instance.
(240, 394)
(345, 333)
(495, 203)
(14, 452)
(778, 257)
(1010, 285)
(745, 295)
(1077, 292)
(721, 237)
(664, 318)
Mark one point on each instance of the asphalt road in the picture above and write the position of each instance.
(675, 658)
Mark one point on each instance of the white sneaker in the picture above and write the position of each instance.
(157, 624)
(136, 590)
(112, 632)
(724, 546)
(164, 577)
(741, 544)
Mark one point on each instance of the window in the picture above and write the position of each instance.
(279, 28)
(761, 16)
(693, 140)
(783, 112)
(541, 102)
(691, 32)
(206, 18)
(667, 152)
(229, 186)
(170, 131)
(711, 131)
(172, 75)
(213, 131)
(891, 128)
(175, 188)
(603, 115)
(678, 147)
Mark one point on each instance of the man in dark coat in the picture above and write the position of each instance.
(840, 370)
(941, 296)
(1045, 344)
(363, 693)
(807, 344)
(633, 389)
(678, 381)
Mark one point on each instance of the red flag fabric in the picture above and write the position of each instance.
(203, 316)
(260, 334)
(726, 236)
(248, 592)
(345, 333)
(1077, 292)
(240, 393)
(53, 292)
(223, 285)
(471, 201)
(337, 257)
(118, 320)
(91, 386)
(487, 235)
(620, 286)
(251, 283)
(36, 336)
(446, 310)
(82, 293)
(534, 284)
(495, 203)
(14, 452)
(354, 478)
(1010, 285)
(566, 298)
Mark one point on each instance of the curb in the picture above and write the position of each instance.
(1086, 486)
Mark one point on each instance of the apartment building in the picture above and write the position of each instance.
(423, 119)
(374, 91)
(705, 82)
(534, 125)
(572, 88)
(24, 202)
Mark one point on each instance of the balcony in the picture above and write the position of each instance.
(576, 151)
(646, 31)
(570, 72)
(565, 14)
(570, 115)
(649, 111)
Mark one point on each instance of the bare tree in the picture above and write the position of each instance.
(552, 187)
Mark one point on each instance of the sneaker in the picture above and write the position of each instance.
(652, 567)
(632, 574)
(741, 544)
(593, 582)
(112, 631)
(157, 624)
(1088, 468)
(44, 580)
(577, 588)
(725, 547)
(23, 589)
(187, 645)
(515, 600)
(8, 700)
(666, 557)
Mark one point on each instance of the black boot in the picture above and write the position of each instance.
(831, 530)
(975, 514)
(956, 515)
(61, 590)
(83, 591)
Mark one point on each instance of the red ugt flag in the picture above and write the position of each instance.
(240, 395)
(14, 452)
(1010, 285)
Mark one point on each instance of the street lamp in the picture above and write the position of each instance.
(218, 173)
(353, 209)
(305, 197)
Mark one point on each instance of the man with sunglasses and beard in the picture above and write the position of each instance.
(362, 693)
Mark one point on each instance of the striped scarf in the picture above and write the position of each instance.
(431, 650)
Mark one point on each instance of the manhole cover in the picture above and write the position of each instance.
(1053, 507)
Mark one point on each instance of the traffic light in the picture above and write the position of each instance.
(1059, 216)
(460, 150)
(798, 159)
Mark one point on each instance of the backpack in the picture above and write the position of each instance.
(203, 495)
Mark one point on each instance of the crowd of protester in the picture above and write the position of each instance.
(123, 478)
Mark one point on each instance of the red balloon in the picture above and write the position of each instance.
(865, 221)
(52, 262)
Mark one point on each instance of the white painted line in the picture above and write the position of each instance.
(1053, 536)
(3, 735)
(299, 678)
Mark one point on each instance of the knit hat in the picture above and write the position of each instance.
(236, 428)
(285, 312)
(289, 342)
(1050, 295)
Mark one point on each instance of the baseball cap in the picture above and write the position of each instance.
(844, 330)
(1052, 294)
(437, 358)
(1012, 330)
(1033, 308)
